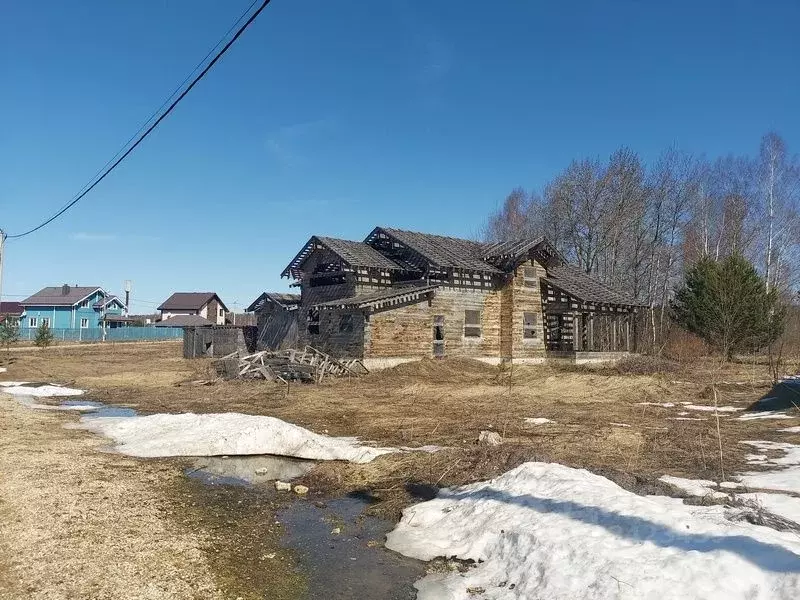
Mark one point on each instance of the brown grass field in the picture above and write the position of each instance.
(78, 522)
(447, 403)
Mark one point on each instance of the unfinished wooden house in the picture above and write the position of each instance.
(400, 295)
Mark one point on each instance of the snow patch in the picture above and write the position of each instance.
(557, 532)
(662, 404)
(537, 421)
(28, 402)
(786, 478)
(778, 504)
(706, 408)
(222, 434)
(768, 414)
(619, 424)
(42, 391)
(791, 430)
(694, 487)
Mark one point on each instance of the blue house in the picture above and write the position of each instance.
(70, 307)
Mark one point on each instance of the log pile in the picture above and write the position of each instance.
(309, 365)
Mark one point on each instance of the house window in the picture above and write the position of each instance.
(472, 323)
(32, 322)
(84, 323)
(313, 323)
(220, 312)
(529, 276)
(85, 303)
(46, 321)
(346, 324)
(528, 325)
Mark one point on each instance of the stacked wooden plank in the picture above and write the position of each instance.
(309, 364)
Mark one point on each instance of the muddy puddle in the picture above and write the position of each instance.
(248, 470)
(339, 548)
(99, 409)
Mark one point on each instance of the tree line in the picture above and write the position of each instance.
(639, 227)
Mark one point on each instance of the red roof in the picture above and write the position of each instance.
(11, 308)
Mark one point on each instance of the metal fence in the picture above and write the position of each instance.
(118, 334)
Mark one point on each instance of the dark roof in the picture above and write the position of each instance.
(280, 298)
(354, 254)
(185, 321)
(190, 301)
(508, 255)
(382, 298)
(11, 308)
(64, 295)
(119, 319)
(108, 300)
(439, 250)
(581, 285)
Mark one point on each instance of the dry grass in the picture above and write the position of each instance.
(447, 403)
(76, 522)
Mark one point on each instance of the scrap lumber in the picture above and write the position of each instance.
(310, 365)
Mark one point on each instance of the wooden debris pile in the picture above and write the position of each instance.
(309, 365)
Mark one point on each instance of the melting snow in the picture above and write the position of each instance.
(694, 487)
(537, 421)
(557, 532)
(18, 388)
(28, 402)
(662, 404)
(222, 434)
(791, 430)
(778, 504)
(769, 414)
(704, 407)
(785, 478)
(619, 424)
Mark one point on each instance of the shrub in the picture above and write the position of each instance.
(44, 337)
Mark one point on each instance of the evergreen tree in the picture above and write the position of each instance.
(44, 337)
(728, 305)
(9, 332)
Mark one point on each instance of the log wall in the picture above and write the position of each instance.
(526, 297)
(408, 331)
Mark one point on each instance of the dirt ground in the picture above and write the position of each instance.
(600, 422)
(76, 522)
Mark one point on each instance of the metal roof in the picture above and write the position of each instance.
(190, 301)
(64, 295)
(185, 321)
(11, 308)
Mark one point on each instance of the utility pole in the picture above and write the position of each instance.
(2, 258)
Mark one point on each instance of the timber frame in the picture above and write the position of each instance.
(407, 294)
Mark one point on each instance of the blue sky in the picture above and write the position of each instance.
(333, 117)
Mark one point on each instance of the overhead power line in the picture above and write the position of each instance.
(109, 168)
